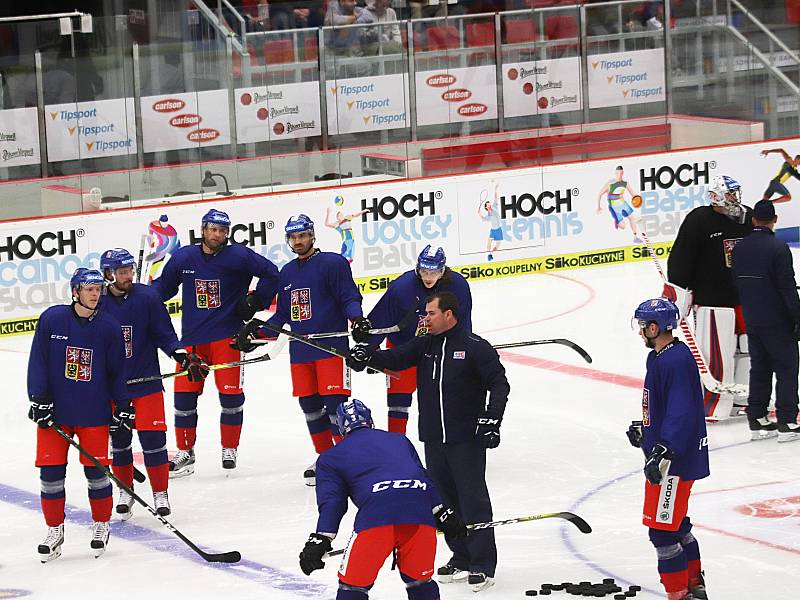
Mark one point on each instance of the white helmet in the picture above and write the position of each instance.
(726, 193)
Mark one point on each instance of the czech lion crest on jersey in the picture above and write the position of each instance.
(78, 364)
(127, 336)
(727, 248)
(300, 304)
(207, 293)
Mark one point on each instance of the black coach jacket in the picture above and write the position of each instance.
(455, 371)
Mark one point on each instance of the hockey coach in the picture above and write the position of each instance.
(455, 371)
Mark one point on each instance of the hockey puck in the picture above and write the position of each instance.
(547, 586)
(609, 581)
(619, 596)
(635, 588)
(544, 592)
(630, 593)
(531, 593)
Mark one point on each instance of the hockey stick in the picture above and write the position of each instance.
(564, 342)
(277, 347)
(224, 557)
(333, 334)
(711, 383)
(324, 347)
(582, 525)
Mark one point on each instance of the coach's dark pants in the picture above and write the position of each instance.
(772, 350)
(459, 472)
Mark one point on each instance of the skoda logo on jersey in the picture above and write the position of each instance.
(399, 484)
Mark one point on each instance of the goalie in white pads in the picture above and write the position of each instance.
(700, 280)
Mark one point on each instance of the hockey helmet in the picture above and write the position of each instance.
(83, 276)
(660, 311)
(216, 217)
(724, 190)
(353, 414)
(116, 258)
(299, 223)
(431, 259)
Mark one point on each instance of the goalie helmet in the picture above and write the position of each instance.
(727, 193)
(353, 414)
(660, 311)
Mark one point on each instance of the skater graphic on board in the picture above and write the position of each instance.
(488, 211)
(788, 169)
(342, 223)
(619, 208)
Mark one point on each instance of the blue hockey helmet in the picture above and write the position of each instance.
(217, 217)
(660, 311)
(83, 276)
(353, 414)
(431, 259)
(116, 258)
(299, 223)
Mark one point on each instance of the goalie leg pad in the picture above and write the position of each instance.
(715, 329)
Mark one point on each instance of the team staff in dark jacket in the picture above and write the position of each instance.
(764, 275)
(455, 371)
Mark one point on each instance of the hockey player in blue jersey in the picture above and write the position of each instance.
(146, 327)
(399, 509)
(215, 277)
(672, 435)
(404, 302)
(75, 376)
(316, 294)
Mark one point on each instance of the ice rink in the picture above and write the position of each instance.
(563, 448)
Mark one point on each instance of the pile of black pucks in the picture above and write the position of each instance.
(587, 589)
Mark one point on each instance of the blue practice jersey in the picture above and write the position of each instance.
(146, 326)
(316, 295)
(213, 284)
(672, 410)
(79, 364)
(382, 474)
(407, 294)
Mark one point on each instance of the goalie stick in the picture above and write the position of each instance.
(564, 342)
(276, 349)
(711, 383)
(224, 557)
(582, 525)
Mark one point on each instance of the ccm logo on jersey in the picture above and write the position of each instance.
(399, 484)
(55, 336)
(488, 421)
(460, 355)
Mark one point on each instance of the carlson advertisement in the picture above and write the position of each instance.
(185, 120)
(489, 224)
(277, 112)
(541, 87)
(456, 95)
(624, 78)
(90, 129)
(19, 137)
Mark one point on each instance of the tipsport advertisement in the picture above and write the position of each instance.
(557, 217)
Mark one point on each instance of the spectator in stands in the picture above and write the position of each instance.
(384, 37)
(342, 12)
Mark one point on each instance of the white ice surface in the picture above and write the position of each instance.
(563, 448)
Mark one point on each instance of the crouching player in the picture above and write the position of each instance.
(672, 435)
(399, 509)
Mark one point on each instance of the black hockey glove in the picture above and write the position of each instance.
(311, 557)
(243, 342)
(488, 429)
(122, 423)
(635, 434)
(248, 306)
(41, 411)
(361, 329)
(359, 357)
(657, 464)
(449, 523)
(195, 365)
